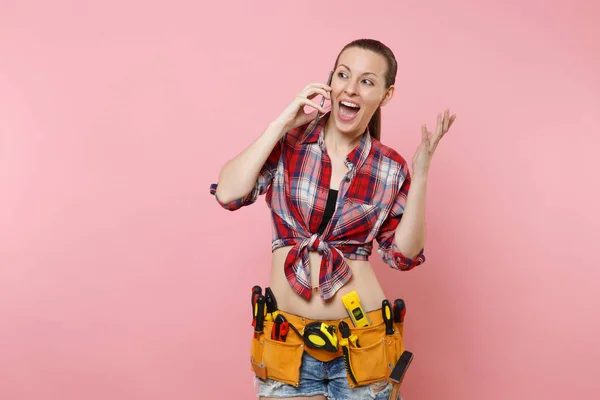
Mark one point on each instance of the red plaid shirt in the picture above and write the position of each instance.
(371, 200)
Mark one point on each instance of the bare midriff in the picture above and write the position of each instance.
(363, 281)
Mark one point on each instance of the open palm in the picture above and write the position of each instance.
(429, 142)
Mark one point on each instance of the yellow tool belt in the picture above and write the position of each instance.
(371, 362)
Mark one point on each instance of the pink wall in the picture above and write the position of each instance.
(117, 280)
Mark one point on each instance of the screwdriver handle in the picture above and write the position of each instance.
(256, 291)
(399, 310)
(260, 313)
(386, 311)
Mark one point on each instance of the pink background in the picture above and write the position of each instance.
(122, 278)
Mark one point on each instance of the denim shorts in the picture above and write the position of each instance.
(325, 378)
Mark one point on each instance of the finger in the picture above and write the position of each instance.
(452, 118)
(438, 128)
(423, 132)
(309, 117)
(317, 85)
(314, 92)
(446, 121)
(307, 102)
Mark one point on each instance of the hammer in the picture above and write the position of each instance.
(398, 373)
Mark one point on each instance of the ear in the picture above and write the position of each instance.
(388, 96)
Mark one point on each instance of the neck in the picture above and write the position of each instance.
(340, 143)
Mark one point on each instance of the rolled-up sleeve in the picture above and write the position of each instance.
(388, 250)
(264, 179)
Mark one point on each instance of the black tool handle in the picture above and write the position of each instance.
(402, 365)
(260, 314)
(399, 310)
(344, 329)
(256, 291)
(271, 302)
(386, 311)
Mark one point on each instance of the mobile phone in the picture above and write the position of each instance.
(323, 99)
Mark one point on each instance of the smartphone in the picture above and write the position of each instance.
(323, 99)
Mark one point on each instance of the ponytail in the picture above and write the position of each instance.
(375, 124)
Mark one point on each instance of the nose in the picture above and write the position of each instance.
(350, 88)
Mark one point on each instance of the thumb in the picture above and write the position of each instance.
(310, 116)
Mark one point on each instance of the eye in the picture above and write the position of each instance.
(342, 75)
(369, 82)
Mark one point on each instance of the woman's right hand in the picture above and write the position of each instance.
(294, 116)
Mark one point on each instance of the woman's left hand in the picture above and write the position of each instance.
(422, 158)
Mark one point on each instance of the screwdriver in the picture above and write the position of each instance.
(399, 310)
(386, 310)
(260, 315)
(256, 291)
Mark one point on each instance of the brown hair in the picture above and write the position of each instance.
(390, 77)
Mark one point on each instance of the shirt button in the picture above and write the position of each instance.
(347, 179)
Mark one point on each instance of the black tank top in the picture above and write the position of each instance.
(329, 209)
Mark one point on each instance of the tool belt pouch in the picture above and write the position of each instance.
(377, 355)
(277, 360)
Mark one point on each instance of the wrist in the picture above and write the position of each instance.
(419, 175)
(278, 126)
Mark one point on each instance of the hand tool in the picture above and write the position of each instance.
(352, 338)
(345, 331)
(275, 330)
(399, 372)
(386, 310)
(280, 328)
(256, 291)
(284, 328)
(271, 302)
(260, 315)
(272, 310)
(399, 310)
(355, 311)
(319, 335)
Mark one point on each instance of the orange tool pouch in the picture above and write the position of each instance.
(371, 362)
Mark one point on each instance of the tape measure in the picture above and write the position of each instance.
(319, 335)
(355, 311)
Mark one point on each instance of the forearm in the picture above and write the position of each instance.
(410, 232)
(238, 177)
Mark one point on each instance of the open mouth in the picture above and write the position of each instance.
(348, 110)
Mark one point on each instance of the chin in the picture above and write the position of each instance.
(348, 126)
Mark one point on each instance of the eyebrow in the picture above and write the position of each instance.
(366, 73)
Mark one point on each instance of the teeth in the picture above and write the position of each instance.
(348, 104)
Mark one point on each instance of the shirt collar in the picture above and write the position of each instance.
(355, 158)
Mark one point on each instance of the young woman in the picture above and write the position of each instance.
(333, 188)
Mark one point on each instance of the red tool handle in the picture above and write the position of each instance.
(399, 310)
(284, 328)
